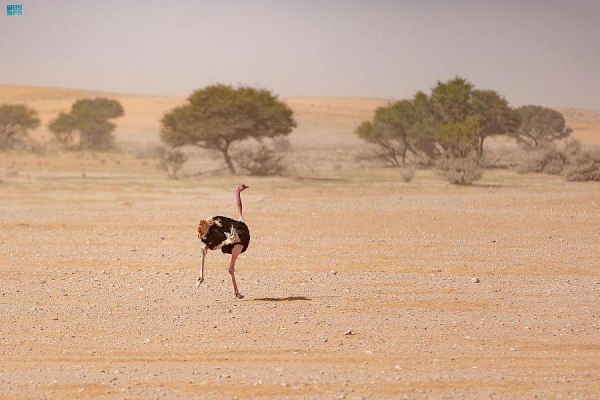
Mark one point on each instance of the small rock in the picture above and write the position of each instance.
(349, 332)
(333, 272)
(475, 280)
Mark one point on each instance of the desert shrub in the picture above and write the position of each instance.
(584, 166)
(572, 148)
(460, 170)
(259, 159)
(407, 174)
(147, 152)
(549, 160)
(281, 144)
(170, 160)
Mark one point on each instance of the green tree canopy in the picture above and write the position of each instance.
(219, 115)
(494, 115)
(62, 127)
(453, 100)
(389, 130)
(400, 128)
(459, 139)
(431, 125)
(15, 122)
(540, 126)
(90, 118)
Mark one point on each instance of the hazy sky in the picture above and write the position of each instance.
(531, 51)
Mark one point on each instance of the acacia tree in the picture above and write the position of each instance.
(15, 122)
(90, 118)
(401, 128)
(494, 115)
(424, 126)
(218, 116)
(457, 100)
(62, 127)
(540, 126)
(389, 130)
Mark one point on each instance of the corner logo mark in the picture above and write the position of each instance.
(14, 9)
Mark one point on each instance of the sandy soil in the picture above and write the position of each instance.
(360, 287)
(357, 284)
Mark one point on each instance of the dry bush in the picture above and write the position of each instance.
(281, 144)
(460, 170)
(148, 152)
(549, 160)
(259, 159)
(407, 174)
(170, 160)
(584, 166)
(571, 161)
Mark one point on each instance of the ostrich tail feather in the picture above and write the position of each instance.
(203, 227)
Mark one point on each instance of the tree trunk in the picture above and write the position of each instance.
(228, 160)
(480, 148)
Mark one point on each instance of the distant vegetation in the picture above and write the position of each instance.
(247, 129)
(448, 128)
(170, 160)
(572, 161)
(16, 120)
(219, 117)
(89, 118)
(539, 127)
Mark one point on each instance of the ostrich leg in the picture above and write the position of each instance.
(237, 249)
(201, 278)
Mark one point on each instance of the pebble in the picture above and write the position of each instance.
(475, 280)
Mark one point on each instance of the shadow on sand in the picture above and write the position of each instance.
(292, 298)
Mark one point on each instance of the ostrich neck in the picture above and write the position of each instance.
(239, 204)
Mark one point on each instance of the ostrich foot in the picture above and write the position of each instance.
(199, 281)
(239, 295)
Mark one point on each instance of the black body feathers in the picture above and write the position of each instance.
(224, 233)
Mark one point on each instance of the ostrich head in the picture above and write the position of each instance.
(241, 186)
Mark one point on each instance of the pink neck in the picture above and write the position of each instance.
(239, 204)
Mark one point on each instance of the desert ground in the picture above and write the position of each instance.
(357, 284)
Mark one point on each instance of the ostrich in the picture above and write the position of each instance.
(229, 235)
